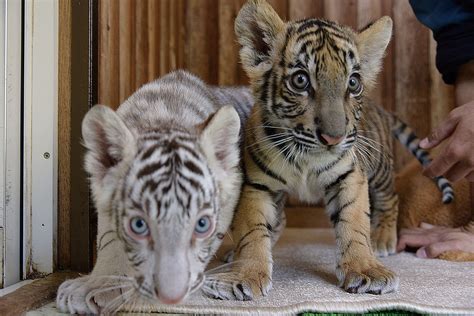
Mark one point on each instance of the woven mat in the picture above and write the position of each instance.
(304, 280)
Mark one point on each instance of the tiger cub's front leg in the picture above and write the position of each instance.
(384, 222)
(252, 232)
(107, 285)
(384, 208)
(358, 270)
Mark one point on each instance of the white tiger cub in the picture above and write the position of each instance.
(165, 179)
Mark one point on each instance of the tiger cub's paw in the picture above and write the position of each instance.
(71, 297)
(384, 240)
(88, 295)
(242, 285)
(371, 277)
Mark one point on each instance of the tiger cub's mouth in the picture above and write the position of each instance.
(309, 142)
(349, 140)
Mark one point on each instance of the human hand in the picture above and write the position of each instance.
(457, 160)
(434, 240)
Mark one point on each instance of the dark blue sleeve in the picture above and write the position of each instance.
(452, 23)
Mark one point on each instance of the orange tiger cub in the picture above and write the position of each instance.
(420, 201)
(313, 132)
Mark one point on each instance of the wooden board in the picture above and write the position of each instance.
(412, 73)
(64, 144)
(33, 295)
(141, 40)
(83, 94)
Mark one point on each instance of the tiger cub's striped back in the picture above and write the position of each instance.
(165, 179)
(180, 100)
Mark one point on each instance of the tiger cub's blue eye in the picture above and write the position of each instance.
(299, 81)
(203, 226)
(139, 226)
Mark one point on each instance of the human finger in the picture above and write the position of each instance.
(440, 165)
(470, 177)
(421, 253)
(457, 172)
(435, 249)
(426, 226)
(412, 240)
(440, 133)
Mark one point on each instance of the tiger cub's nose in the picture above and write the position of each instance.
(329, 140)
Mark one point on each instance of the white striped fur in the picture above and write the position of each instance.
(168, 157)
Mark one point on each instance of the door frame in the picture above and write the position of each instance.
(40, 137)
(10, 151)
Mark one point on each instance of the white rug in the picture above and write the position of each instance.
(304, 280)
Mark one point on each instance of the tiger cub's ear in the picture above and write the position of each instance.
(371, 43)
(107, 139)
(220, 140)
(257, 27)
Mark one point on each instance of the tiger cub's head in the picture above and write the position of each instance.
(169, 194)
(309, 76)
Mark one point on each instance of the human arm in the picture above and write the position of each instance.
(458, 132)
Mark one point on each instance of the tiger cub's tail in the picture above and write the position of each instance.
(405, 135)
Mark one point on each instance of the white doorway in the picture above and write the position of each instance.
(10, 142)
(28, 138)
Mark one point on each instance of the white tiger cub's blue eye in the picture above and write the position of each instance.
(203, 226)
(139, 226)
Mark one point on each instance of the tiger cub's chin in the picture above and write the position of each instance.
(165, 179)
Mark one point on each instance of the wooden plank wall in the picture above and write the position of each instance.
(64, 138)
(143, 39)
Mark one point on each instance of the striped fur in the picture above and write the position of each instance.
(169, 158)
(405, 135)
(314, 133)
